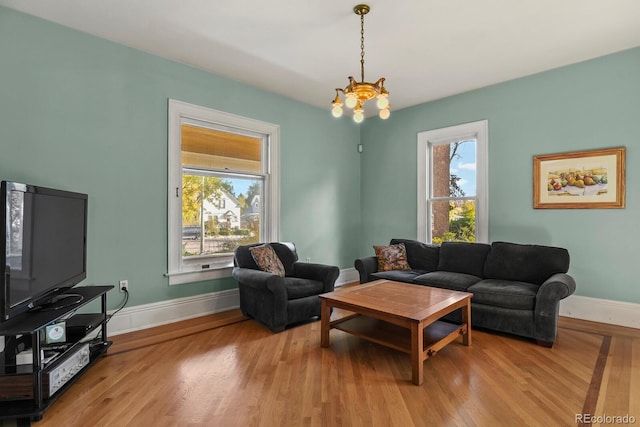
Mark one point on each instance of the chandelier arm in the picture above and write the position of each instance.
(352, 83)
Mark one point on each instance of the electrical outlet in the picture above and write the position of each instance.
(124, 285)
(308, 259)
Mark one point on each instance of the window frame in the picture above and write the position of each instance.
(180, 113)
(479, 131)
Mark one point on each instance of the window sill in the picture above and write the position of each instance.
(182, 277)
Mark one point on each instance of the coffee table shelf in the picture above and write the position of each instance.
(397, 337)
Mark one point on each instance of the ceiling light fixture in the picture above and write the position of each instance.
(357, 93)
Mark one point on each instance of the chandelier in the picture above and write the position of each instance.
(357, 93)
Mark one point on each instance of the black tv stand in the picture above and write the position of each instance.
(60, 301)
(25, 390)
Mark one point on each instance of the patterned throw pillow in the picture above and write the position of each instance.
(392, 257)
(267, 259)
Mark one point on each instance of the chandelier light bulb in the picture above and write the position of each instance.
(358, 116)
(382, 102)
(384, 113)
(336, 111)
(350, 100)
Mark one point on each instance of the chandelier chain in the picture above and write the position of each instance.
(362, 47)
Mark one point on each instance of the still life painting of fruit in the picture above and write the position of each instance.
(593, 179)
(572, 182)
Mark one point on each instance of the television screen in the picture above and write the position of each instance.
(45, 244)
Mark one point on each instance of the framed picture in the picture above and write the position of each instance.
(580, 180)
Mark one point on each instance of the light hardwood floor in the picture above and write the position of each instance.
(201, 373)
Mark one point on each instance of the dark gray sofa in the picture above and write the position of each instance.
(516, 288)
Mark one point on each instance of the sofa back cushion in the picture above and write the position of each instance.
(463, 257)
(525, 263)
(421, 256)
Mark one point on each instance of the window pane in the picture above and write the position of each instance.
(454, 169)
(220, 213)
(453, 221)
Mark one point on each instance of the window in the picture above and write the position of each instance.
(223, 189)
(453, 183)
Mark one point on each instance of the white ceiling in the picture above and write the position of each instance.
(426, 49)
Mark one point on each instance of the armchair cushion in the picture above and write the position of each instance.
(325, 274)
(300, 288)
(266, 258)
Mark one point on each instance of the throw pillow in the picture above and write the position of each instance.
(267, 259)
(392, 257)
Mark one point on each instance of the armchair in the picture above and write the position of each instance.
(276, 301)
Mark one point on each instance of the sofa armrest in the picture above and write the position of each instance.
(550, 293)
(366, 266)
(260, 280)
(327, 274)
(554, 289)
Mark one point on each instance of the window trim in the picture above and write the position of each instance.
(475, 130)
(181, 112)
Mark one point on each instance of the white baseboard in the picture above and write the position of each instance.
(601, 310)
(161, 313)
(164, 312)
(348, 275)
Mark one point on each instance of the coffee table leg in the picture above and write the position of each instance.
(417, 346)
(466, 319)
(325, 320)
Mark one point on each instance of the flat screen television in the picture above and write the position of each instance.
(45, 249)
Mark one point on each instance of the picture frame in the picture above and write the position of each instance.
(592, 179)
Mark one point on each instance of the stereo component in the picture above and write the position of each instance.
(53, 379)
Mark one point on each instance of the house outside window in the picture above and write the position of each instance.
(453, 184)
(219, 164)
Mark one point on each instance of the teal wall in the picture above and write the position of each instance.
(591, 105)
(84, 114)
(88, 115)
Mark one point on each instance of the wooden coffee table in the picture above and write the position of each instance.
(399, 315)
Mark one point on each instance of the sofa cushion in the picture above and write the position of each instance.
(525, 263)
(391, 257)
(421, 256)
(447, 280)
(463, 257)
(266, 258)
(398, 275)
(300, 288)
(504, 293)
